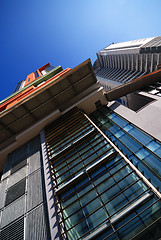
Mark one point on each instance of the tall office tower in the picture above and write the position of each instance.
(76, 165)
(120, 63)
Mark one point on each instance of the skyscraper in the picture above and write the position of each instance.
(122, 62)
(74, 163)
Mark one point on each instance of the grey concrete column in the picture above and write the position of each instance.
(51, 203)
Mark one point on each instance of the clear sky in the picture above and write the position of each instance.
(67, 32)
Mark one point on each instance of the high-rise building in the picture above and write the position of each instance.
(122, 62)
(74, 163)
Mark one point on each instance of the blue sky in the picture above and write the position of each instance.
(67, 32)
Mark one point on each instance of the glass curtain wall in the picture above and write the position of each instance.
(142, 149)
(98, 194)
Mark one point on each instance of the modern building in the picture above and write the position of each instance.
(122, 62)
(74, 163)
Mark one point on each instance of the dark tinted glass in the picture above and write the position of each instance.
(50, 68)
(36, 74)
(18, 166)
(15, 192)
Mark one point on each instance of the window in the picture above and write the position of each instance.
(131, 140)
(96, 188)
(15, 192)
(18, 86)
(36, 74)
(50, 68)
(18, 166)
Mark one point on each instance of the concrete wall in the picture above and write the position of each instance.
(24, 217)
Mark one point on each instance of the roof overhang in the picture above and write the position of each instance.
(56, 95)
(137, 84)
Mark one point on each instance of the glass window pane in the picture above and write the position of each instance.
(68, 197)
(96, 218)
(153, 146)
(100, 117)
(140, 136)
(142, 153)
(108, 194)
(114, 129)
(108, 125)
(105, 111)
(152, 213)
(136, 189)
(77, 231)
(135, 161)
(130, 143)
(71, 209)
(154, 163)
(148, 217)
(101, 179)
(122, 172)
(153, 232)
(112, 115)
(98, 174)
(115, 204)
(119, 121)
(128, 127)
(131, 228)
(107, 133)
(128, 180)
(119, 134)
(89, 207)
(66, 176)
(74, 219)
(158, 152)
(106, 233)
(149, 175)
(84, 187)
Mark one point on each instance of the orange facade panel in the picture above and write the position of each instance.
(12, 101)
(16, 98)
(43, 67)
(31, 77)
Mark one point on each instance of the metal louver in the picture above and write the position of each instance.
(14, 231)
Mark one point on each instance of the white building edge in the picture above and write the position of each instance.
(120, 63)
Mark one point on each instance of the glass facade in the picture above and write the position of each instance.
(99, 195)
(143, 150)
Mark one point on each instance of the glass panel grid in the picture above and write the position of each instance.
(136, 133)
(80, 162)
(101, 193)
(67, 139)
(56, 160)
(133, 143)
(96, 186)
(77, 198)
(133, 226)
